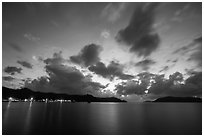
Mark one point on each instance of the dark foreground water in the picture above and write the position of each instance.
(101, 118)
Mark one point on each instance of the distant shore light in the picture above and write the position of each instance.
(10, 99)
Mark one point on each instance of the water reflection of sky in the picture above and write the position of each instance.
(108, 121)
(101, 118)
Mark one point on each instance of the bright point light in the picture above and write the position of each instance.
(10, 99)
(31, 99)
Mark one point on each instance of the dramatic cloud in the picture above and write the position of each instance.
(113, 11)
(114, 69)
(25, 64)
(129, 88)
(63, 79)
(138, 87)
(8, 78)
(31, 37)
(173, 86)
(15, 46)
(158, 86)
(145, 64)
(89, 55)
(12, 70)
(139, 34)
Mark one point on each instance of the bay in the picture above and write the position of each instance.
(55, 118)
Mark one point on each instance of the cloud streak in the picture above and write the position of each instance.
(12, 70)
(112, 12)
(30, 37)
(15, 46)
(145, 64)
(193, 50)
(164, 69)
(8, 78)
(25, 64)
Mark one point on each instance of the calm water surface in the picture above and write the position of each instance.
(101, 118)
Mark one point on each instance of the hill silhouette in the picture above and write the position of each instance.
(178, 99)
(25, 93)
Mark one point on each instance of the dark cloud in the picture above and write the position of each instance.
(145, 64)
(159, 86)
(12, 70)
(130, 87)
(171, 87)
(174, 61)
(15, 46)
(114, 69)
(139, 34)
(190, 71)
(135, 86)
(8, 78)
(25, 64)
(89, 55)
(198, 40)
(164, 87)
(63, 79)
(57, 59)
(195, 80)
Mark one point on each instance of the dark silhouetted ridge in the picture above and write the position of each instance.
(25, 93)
(178, 99)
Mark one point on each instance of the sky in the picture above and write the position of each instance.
(133, 51)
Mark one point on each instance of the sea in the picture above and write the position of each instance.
(60, 118)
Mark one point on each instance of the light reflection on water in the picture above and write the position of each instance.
(101, 118)
(27, 119)
(6, 112)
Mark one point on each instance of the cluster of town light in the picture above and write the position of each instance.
(10, 99)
